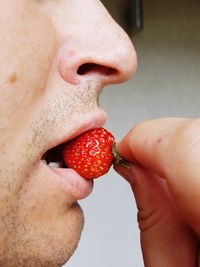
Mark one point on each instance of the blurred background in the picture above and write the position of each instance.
(166, 36)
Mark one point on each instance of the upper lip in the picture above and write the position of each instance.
(90, 121)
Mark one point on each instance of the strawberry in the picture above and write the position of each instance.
(91, 153)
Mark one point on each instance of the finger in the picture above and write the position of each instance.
(166, 240)
(170, 148)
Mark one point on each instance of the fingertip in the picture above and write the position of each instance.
(124, 148)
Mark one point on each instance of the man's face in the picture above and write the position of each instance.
(56, 56)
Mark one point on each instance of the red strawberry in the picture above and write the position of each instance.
(91, 153)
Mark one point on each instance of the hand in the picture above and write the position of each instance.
(164, 174)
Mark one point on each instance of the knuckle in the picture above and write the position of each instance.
(148, 219)
(184, 145)
(186, 137)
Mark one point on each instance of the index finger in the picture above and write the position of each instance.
(170, 147)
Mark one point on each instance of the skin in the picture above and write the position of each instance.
(164, 156)
(43, 98)
(43, 44)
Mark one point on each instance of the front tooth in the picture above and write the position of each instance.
(55, 164)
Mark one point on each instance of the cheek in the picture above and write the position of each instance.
(27, 51)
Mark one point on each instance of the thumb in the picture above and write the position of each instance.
(165, 239)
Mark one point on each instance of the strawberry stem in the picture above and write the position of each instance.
(118, 159)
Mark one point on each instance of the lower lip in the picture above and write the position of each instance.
(76, 186)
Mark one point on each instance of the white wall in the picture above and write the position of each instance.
(167, 84)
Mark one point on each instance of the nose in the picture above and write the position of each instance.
(97, 47)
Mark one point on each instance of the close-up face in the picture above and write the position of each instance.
(56, 57)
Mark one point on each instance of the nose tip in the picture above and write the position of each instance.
(124, 61)
(99, 49)
(109, 66)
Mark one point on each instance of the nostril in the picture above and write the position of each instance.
(96, 68)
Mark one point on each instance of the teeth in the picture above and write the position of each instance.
(55, 164)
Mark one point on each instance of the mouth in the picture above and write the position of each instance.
(53, 157)
(75, 185)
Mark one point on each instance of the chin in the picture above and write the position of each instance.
(59, 247)
(73, 234)
(49, 245)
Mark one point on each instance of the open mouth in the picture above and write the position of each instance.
(54, 158)
(74, 185)
(53, 165)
